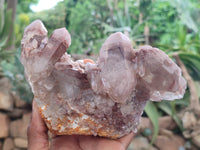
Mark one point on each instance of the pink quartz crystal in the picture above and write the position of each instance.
(105, 98)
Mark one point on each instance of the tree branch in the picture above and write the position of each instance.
(194, 99)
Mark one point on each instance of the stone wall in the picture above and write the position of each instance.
(14, 118)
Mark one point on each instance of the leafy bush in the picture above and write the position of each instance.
(5, 41)
(15, 72)
(22, 21)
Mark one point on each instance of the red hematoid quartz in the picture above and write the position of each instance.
(105, 98)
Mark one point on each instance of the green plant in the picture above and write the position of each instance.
(21, 22)
(5, 25)
(87, 35)
(10, 65)
(15, 72)
(152, 112)
(188, 13)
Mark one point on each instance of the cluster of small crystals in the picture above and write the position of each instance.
(105, 98)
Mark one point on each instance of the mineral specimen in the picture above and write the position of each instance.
(105, 98)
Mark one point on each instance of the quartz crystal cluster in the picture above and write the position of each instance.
(104, 98)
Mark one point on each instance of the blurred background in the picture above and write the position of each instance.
(171, 25)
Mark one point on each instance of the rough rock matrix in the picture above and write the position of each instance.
(104, 98)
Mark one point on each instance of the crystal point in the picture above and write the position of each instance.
(104, 98)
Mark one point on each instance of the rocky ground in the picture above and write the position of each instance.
(166, 139)
(15, 116)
